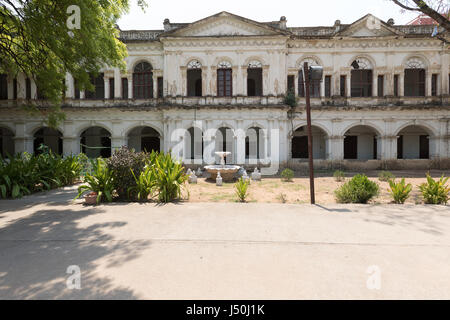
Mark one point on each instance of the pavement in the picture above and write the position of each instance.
(221, 250)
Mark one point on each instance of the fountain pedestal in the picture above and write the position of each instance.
(226, 171)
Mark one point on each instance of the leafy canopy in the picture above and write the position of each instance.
(35, 39)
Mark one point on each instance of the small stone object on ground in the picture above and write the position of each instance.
(218, 180)
(199, 172)
(193, 178)
(188, 172)
(256, 175)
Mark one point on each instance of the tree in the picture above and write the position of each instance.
(45, 39)
(436, 9)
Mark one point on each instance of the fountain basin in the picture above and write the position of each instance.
(227, 172)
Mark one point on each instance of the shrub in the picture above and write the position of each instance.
(290, 99)
(242, 189)
(400, 191)
(435, 192)
(385, 176)
(339, 175)
(25, 173)
(282, 197)
(358, 190)
(169, 177)
(120, 163)
(287, 175)
(100, 181)
(144, 185)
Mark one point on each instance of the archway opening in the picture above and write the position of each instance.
(361, 143)
(48, 138)
(144, 139)
(193, 144)
(96, 142)
(300, 143)
(413, 142)
(6, 142)
(225, 143)
(254, 144)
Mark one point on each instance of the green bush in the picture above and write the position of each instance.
(144, 184)
(290, 99)
(100, 181)
(122, 163)
(435, 192)
(358, 190)
(169, 177)
(339, 175)
(400, 191)
(242, 189)
(287, 175)
(385, 176)
(24, 173)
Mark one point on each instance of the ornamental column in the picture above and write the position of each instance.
(336, 148)
(106, 80)
(428, 83)
(240, 143)
(183, 81)
(130, 87)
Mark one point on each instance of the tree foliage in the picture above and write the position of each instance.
(35, 39)
(435, 9)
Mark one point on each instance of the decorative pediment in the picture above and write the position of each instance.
(225, 24)
(369, 26)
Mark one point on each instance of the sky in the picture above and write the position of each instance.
(299, 13)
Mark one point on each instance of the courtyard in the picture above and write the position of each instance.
(192, 250)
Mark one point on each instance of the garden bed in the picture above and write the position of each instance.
(270, 189)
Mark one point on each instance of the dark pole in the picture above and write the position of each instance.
(310, 143)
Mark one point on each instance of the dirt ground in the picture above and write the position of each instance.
(274, 190)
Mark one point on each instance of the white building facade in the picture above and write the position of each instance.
(220, 84)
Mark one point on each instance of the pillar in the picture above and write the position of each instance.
(240, 143)
(401, 84)
(117, 84)
(428, 83)
(375, 84)
(336, 144)
(130, 87)
(348, 85)
(106, 81)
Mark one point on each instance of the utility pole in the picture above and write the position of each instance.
(313, 73)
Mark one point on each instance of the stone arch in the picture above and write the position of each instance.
(422, 124)
(144, 138)
(195, 58)
(193, 143)
(49, 137)
(313, 60)
(225, 141)
(95, 141)
(413, 142)
(255, 142)
(254, 58)
(139, 60)
(299, 142)
(362, 142)
(415, 61)
(7, 146)
(85, 126)
(365, 60)
(371, 125)
(314, 124)
(219, 60)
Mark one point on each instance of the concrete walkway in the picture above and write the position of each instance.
(222, 251)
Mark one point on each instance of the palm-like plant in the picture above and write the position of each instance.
(400, 191)
(169, 177)
(144, 184)
(99, 181)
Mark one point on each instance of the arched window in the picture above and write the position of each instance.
(254, 79)
(143, 81)
(314, 85)
(224, 79)
(194, 79)
(415, 78)
(362, 78)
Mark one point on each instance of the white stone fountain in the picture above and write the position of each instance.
(226, 171)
